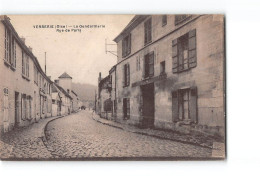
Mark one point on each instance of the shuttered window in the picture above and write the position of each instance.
(164, 20)
(184, 52)
(126, 75)
(126, 45)
(184, 105)
(148, 31)
(23, 63)
(149, 65)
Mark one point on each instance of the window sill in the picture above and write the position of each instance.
(25, 77)
(164, 24)
(9, 65)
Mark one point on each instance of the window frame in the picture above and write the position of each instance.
(148, 31)
(164, 20)
(126, 45)
(148, 64)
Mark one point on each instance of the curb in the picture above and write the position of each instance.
(152, 135)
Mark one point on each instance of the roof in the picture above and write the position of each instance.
(6, 21)
(62, 90)
(137, 19)
(65, 75)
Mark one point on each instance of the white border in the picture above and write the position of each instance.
(243, 84)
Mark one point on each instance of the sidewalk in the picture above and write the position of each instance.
(26, 142)
(199, 140)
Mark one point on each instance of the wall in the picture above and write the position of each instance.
(65, 83)
(207, 76)
(15, 82)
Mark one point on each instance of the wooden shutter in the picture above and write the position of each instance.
(175, 113)
(192, 49)
(123, 75)
(174, 56)
(151, 64)
(193, 104)
(129, 44)
(128, 74)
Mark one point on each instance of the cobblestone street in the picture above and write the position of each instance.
(79, 136)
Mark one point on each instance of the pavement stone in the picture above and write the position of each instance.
(25, 143)
(78, 136)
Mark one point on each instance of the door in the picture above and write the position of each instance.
(17, 103)
(6, 110)
(148, 105)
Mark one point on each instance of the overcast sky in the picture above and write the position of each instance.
(81, 55)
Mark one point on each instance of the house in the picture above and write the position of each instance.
(104, 97)
(25, 88)
(170, 73)
(64, 86)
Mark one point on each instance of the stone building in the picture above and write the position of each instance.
(25, 88)
(64, 84)
(104, 97)
(61, 100)
(170, 73)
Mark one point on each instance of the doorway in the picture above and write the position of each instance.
(17, 104)
(148, 105)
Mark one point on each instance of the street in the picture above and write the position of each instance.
(79, 136)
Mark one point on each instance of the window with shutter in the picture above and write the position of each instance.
(184, 52)
(175, 113)
(164, 20)
(23, 63)
(149, 65)
(126, 45)
(148, 31)
(192, 49)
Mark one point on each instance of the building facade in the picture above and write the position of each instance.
(170, 73)
(25, 88)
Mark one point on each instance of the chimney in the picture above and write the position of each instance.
(23, 39)
(30, 48)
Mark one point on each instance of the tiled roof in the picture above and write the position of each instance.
(65, 75)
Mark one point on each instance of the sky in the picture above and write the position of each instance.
(81, 54)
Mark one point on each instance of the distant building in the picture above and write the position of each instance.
(25, 89)
(104, 97)
(64, 84)
(170, 73)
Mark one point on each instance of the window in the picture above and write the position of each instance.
(126, 108)
(148, 31)
(10, 49)
(164, 20)
(162, 67)
(13, 58)
(137, 63)
(181, 18)
(7, 45)
(184, 52)
(126, 75)
(27, 66)
(23, 63)
(149, 65)
(184, 105)
(126, 45)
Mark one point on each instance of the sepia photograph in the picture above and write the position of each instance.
(113, 87)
